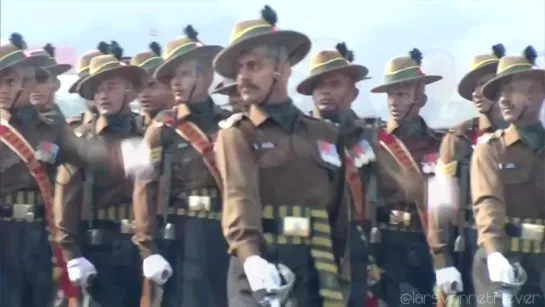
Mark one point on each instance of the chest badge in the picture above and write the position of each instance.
(328, 153)
(363, 153)
(429, 163)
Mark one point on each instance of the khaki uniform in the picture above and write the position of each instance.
(189, 199)
(507, 183)
(83, 118)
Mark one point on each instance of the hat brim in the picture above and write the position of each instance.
(74, 87)
(134, 74)
(224, 89)
(358, 72)
(203, 52)
(58, 69)
(296, 44)
(30, 61)
(469, 82)
(428, 79)
(490, 88)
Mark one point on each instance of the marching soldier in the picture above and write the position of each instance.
(82, 69)
(30, 149)
(453, 168)
(228, 88)
(155, 96)
(507, 184)
(411, 146)
(186, 192)
(332, 84)
(283, 219)
(93, 210)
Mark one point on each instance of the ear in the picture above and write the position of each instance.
(423, 99)
(355, 93)
(57, 84)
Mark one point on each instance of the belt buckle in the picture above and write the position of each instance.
(127, 226)
(532, 232)
(296, 226)
(23, 212)
(199, 203)
(400, 217)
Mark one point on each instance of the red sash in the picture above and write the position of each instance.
(199, 141)
(19, 145)
(404, 158)
(356, 189)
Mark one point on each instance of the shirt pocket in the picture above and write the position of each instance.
(274, 153)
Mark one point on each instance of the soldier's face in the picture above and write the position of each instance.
(334, 92)
(256, 69)
(43, 90)
(11, 83)
(483, 105)
(111, 95)
(155, 96)
(521, 98)
(189, 82)
(404, 100)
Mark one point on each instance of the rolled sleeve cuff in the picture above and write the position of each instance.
(246, 250)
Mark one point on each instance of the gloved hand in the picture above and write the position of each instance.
(499, 269)
(136, 156)
(79, 271)
(156, 269)
(449, 280)
(261, 274)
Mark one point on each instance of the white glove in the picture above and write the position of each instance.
(156, 269)
(449, 280)
(136, 156)
(261, 274)
(79, 270)
(499, 269)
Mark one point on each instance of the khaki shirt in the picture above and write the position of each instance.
(111, 190)
(190, 174)
(507, 180)
(262, 163)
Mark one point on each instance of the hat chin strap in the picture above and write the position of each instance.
(276, 76)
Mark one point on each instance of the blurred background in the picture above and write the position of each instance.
(448, 32)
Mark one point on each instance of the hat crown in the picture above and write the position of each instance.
(7, 49)
(400, 63)
(100, 62)
(84, 61)
(243, 27)
(508, 63)
(142, 57)
(177, 44)
(483, 59)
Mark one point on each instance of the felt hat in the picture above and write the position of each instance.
(13, 53)
(82, 65)
(326, 61)
(481, 66)
(105, 66)
(185, 47)
(252, 33)
(148, 60)
(225, 87)
(405, 69)
(511, 67)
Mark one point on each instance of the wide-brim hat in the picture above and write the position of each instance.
(50, 65)
(329, 61)
(82, 68)
(252, 33)
(405, 69)
(148, 60)
(512, 67)
(105, 66)
(184, 48)
(11, 56)
(481, 66)
(225, 87)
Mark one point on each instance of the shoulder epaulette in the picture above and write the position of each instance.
(231, 120)
(486, 137)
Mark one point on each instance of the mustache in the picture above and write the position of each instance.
(249, 85)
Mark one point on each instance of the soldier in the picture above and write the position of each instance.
(155, 96)
(283, 219)
(332, 84)
(26, 194)
(82, 69)
(101, 243)
(453, 168)
(411, 146)
(187, 189)
(228, 88)
(507, 184)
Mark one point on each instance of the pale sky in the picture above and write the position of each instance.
(448, 32)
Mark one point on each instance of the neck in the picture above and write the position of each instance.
(279, 95)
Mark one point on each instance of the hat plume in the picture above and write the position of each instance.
(530, 54)
(498, 50)
(191, 33)
(116, 50)
(269, 15)
(343, 50)
(155, 48)
(16, 40)
(103, 47)
(50, 50)
(416, 55)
